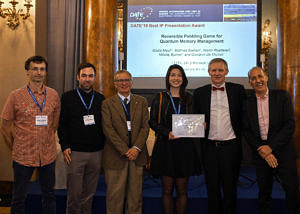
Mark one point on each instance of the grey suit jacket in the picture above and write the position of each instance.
(115, 129)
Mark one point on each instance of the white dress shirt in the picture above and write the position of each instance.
(220, 123)
(128, 100)
(122, 98)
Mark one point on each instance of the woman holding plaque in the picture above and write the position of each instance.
(174, 159)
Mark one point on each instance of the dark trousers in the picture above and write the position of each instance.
(22, 175)
(83, 175)
(286, 174)
(221, 168)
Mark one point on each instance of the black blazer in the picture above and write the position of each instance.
(236, 95)
(281, 124)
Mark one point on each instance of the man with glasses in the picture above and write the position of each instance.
(29, 121)
(81, 139)
(125, 125)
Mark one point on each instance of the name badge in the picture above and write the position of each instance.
(129, 125)
(88, 120)
(41, 120)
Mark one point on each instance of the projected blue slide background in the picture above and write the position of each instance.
(191, 35)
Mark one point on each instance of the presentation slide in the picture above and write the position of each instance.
(191, 35)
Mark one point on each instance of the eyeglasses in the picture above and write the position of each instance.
(123, 80)
(37, 68)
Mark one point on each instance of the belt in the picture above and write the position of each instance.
(219, 143)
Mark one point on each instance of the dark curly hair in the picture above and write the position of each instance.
(35, 59)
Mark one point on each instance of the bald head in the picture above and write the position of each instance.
(258, 80)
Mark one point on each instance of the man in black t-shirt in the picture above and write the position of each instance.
(82, 140)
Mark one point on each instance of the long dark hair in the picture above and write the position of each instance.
(185, 81)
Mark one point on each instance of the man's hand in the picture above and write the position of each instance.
(264, 151)
(132, 153)
(67, 157)
(7, 132)
(272, 161)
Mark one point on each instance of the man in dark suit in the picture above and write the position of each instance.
(125, 124)
(221, 102)
(269, 125)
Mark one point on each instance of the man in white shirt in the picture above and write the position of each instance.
(221, 102)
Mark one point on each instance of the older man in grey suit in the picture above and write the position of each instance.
(125, 125)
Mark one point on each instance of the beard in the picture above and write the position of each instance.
(86, 87)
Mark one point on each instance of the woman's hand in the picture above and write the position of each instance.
(172, 137)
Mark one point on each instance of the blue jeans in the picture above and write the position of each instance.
(22, 175)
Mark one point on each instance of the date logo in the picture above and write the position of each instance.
(142, 14)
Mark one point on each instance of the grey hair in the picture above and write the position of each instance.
(216, 60)
(122, 71)
(256, 67)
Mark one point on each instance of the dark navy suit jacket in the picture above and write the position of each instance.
(281, 124)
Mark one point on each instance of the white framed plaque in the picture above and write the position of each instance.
(188, 125)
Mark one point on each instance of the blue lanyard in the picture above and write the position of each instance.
(174, 107)
(90, 106)
(34, 99)
(126, 111)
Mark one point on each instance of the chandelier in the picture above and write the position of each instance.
(13, 15)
